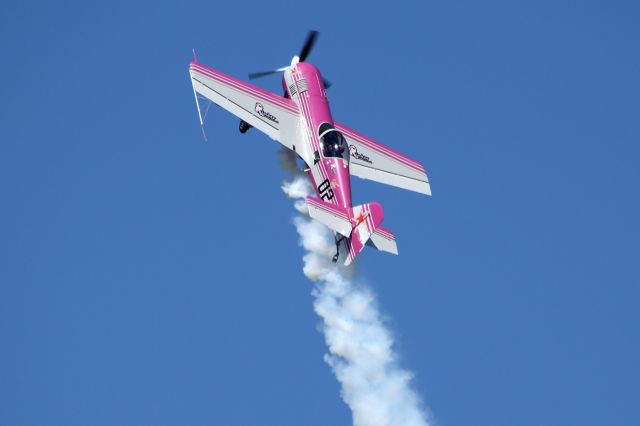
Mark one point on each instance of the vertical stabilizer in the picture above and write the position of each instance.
(365, 218)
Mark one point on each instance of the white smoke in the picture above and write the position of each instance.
(360, 345)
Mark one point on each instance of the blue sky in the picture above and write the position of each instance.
(147, 277)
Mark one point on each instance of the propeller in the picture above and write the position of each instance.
(308, 45)
(312, 36)
(255, 75)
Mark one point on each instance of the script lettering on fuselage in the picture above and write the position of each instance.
(262, 113)
(358, 156)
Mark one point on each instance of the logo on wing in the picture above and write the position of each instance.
(262, 113)
(358, 156)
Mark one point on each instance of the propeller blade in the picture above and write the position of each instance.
(326, 83)
(308, 45)
(255, 75)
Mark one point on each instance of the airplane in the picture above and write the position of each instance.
(302, 122)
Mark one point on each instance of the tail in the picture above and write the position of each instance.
(359, 225)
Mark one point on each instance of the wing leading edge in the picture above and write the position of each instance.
(272, 114)
(372, 160)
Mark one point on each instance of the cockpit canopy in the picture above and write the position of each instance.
(332, 143)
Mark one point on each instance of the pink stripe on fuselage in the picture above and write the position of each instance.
(306, 112)
(315, 108)
(309, 118)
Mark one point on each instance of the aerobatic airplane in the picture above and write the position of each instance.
(301, 121)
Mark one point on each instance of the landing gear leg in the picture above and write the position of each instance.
(337, 255)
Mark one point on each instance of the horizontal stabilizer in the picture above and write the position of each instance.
(383, 240)
(336, 218)
(359, 226)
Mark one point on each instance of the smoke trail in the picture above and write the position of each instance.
(360, 346)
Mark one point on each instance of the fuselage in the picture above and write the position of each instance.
(321, 146)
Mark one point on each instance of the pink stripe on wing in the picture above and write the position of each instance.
(273, 99)
(376, 146)
(385, 233)
(245, 87)
(234, 81)
(326, 206)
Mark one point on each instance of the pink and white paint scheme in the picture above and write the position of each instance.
(301, 121)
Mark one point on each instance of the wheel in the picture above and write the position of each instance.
(244, 126)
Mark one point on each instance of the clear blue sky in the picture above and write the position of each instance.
(149, 278)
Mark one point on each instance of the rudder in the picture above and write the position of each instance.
(365, 219)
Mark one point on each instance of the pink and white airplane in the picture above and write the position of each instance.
(301, 121)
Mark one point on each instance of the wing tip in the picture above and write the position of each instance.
(427, 189)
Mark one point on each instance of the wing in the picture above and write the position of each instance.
(272, 114)
(372, 160)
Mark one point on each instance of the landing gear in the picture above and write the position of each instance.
(244, 126)
(337, 255)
